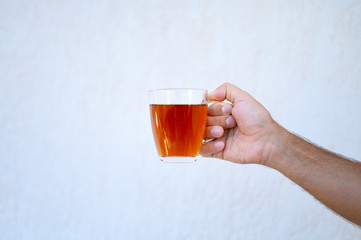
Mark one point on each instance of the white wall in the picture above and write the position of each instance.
(77, 158)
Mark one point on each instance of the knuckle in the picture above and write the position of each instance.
(225, 84)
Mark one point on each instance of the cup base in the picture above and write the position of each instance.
(178, 159)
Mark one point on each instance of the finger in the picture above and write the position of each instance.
(227, 91)
(211, 147)
(219, 109)
(223, 121)
(214, 132)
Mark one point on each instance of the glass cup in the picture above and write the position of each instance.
(178, 119)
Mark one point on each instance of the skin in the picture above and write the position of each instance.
(243, 131)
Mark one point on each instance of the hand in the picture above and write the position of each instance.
(247, 138)
(252, 136)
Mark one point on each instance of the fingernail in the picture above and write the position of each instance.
(226, 109)
(216, 131)
(218, 145)
(230, 121)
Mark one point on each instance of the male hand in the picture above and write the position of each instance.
(251, 136)
(242, 130)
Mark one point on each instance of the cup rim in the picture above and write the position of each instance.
(170, 89)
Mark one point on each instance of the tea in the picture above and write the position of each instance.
(178, 130)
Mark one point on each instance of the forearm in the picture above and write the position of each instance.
(333, 180)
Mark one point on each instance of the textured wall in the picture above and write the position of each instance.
(77, 158)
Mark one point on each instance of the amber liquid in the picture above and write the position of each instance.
(178, 130)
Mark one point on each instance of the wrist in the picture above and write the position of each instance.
(277, 146)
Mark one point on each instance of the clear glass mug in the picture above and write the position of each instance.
(178, 119)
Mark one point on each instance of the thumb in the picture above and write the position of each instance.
(227, 91)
